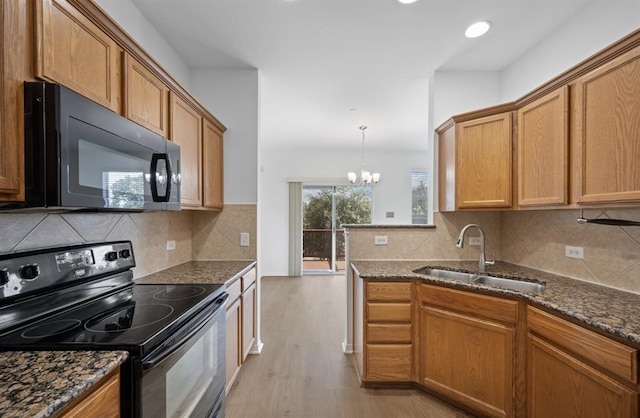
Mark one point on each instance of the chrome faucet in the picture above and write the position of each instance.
(460, 244)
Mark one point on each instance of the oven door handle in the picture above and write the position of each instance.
(157, 357)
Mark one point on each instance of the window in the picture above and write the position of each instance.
(419, 197)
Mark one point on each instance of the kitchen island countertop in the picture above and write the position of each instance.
(39, 384)
(616, 312)
(199, 272)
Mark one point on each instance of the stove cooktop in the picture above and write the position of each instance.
(135, 319)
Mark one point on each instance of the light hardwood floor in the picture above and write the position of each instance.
(302, 371)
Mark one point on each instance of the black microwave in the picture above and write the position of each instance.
(81, 155)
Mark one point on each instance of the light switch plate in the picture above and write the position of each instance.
(244, 239)
(574, 252)
(474, 240)
(171, 245)
(381, 240)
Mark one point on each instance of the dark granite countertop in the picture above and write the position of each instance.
(614, 311)
(40, 383)
(199, 272)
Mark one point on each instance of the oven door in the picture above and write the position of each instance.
(185, 377)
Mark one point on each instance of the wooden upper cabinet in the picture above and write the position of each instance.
(146, 97)
(15, 67)
(186, 131)
(212, 166)
(543, 143)
(72, 51)
(483, 162)
(608, 131)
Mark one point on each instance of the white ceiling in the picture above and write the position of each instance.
(319, 58)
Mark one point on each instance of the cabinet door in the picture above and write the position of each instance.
(559, 385)
(608, 131)
(483, 163)
(71, 50)
(234, 335)
(186, 131)
(212, 166)
(469, 360)
(447, 169)
(14, 69)
(248, 320)
(146, 97)
(103, 402)
(543, 143)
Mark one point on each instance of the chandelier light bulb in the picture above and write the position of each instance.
(365, 176)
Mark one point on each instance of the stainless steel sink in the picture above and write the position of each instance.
(512, 284)
(447, 274)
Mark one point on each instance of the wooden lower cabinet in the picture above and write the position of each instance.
(468, 359)
(241, 322)
(386, 342)
(234, 331)
(248, 320)
(103, 401)
(560, 385)
(495, 356)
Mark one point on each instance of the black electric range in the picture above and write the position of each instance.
(83, 298)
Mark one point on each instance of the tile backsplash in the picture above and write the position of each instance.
(148, 232)
(535, 239)
(437, 243)
(216, 235)
(198, 234)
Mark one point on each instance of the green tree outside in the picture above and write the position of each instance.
(353, 206)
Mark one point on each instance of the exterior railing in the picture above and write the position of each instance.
(316, 244)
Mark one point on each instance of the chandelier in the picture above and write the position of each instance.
(365, 176)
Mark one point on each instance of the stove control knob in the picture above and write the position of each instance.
(4, 277)
(111, 256)
(29, 272)
(125, 253)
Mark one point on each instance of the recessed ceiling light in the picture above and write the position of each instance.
(407, 1)
(477, 29)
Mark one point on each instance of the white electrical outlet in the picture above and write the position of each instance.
(171, 245)
(381, 240)
(244, 239)
(574, 252)
(474, 240)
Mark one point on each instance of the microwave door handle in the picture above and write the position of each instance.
(167, 196)
(154, 177)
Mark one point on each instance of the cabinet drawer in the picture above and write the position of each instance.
(389, 333)
(389, 291)
(389, 362)
(601, 351)
(248, 279)
(234, 290)
(490, 307)
(388, 312)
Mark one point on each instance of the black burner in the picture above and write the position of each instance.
(50, 328)
(125, 318)
(179, 292)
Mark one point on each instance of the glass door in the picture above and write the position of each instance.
(325, 210)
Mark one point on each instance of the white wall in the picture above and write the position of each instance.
(232, 96)
(393, 193)
(139, 28)
(598, 25)
(456, 92)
